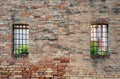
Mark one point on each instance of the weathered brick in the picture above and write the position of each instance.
(25, 14)
(59, 39)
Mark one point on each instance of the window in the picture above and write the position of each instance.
(20, 39)
(99, 41)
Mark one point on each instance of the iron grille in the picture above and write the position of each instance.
(20, 39)
(99, 40)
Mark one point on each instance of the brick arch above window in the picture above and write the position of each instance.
(99, 21)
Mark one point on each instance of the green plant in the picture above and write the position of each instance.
(94, 48)
(104, 52)
(22, 49)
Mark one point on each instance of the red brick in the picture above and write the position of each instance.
(19, 68)
(63, 5)
(8, 37)
(37, 16)
(2, 47)
(65, 60)
(25, 14)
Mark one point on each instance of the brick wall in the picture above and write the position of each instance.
(59, 39)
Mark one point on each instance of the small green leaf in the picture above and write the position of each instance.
(22, 49)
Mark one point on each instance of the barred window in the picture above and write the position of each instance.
(99, 41)
(20, 39)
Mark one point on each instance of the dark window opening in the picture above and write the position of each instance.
(99, 41)
(20, 39)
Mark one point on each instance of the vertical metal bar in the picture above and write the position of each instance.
(90, 37)
(22, 38)
(19, 38)
(13, 41)
(92, 34)
(96, 37)
(26, 35)
(100, 41)
(96, 32)
(107, 39)
(101, 31)
(101, 38)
